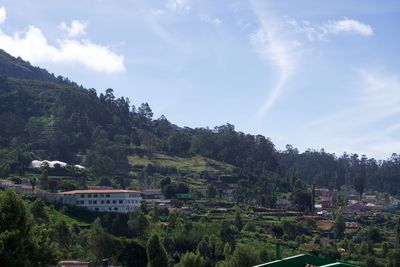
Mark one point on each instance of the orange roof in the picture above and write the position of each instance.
(98, 191)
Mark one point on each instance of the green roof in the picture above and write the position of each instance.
(184, 196)
(302, 259)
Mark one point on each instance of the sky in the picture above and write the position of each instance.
(314, 74)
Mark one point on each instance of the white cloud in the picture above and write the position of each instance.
(3, 14)
(33, 46)
(271, 43)
(176, 5)
(347, 25)
(208, 19)
(332, 27)
(76, 28)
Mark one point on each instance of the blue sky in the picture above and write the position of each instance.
(314, 74)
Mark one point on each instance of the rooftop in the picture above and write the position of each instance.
(98, 191)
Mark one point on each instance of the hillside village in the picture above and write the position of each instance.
(215, 200)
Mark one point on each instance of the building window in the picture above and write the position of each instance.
(109, 208)
(96, 209)
(114, 201)
(82, 202)
(115, 208)
(89, 195)
(94, 201)
(82, 195)
(108, 195)
(102, 201)
(90, 202)
(95, 195)
(120, 202)
(108, 201)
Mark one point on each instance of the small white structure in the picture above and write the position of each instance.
(79, 167)
(37, 164)
(108, 200)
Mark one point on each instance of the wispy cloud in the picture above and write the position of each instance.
(210, 20)
(177, 5)
(33, 46)
(349, 129)
(347, 25)
(329, 28)
(76, 28)
(271, 43)
(277, 41)
(2, 15)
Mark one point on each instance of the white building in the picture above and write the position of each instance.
(108, 200)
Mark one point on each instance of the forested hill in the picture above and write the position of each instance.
(48, 117)
(17, 67)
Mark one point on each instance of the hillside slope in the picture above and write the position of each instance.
(17, 67)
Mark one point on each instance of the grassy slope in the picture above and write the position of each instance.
(56, 215)
(193, 165)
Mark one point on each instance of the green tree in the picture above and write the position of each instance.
(138, 224)
(238, 221)
(302, 200)
(62, 234)
(131, 253)
(16, 244)
(243, 256)
(340, 227)
(359, 181)
(156, 254)
(374, 234)
(168, 191)
(33, 182)
(264, 256)
(44, 180)
(38, 211)
(101, 243)
(385, 249)
(191, 259)
(394, 258)
(227, 233)
(371, 262)
(4, 169)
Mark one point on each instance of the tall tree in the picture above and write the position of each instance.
(156, 253)
(44, 179)
(138, 224)
(16, 245)
(359, 182)
(340, 227)
(238, 221)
